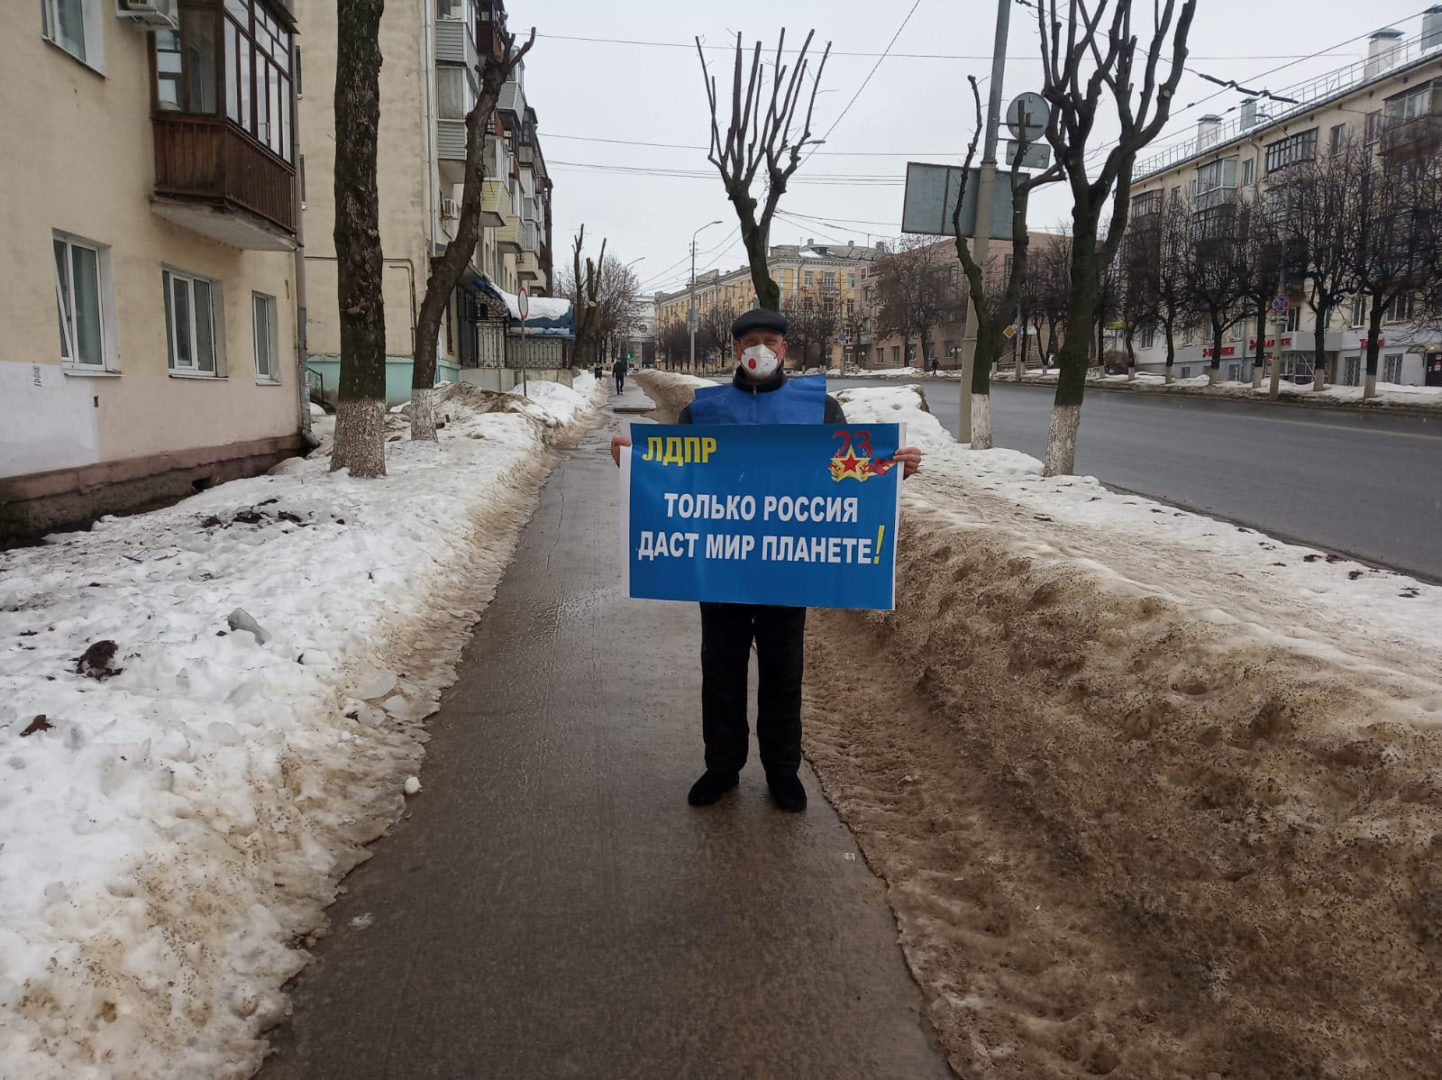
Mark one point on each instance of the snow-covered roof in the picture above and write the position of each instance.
(547, 316)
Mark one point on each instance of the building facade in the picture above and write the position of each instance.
(149, 237)
(820, 285)
(429, 82)
(1392, 103)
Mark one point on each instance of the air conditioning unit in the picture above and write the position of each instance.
(150, 14)
(450, 210)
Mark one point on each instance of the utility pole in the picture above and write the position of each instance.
(985, 198)
(691, 317)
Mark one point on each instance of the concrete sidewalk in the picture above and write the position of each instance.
(551, 907)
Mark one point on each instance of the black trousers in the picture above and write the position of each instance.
(620, 383)
(727, 631)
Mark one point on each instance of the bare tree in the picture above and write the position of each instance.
(1311, 205)
(583, 286)
(1213, 283)
(497, 64)
(1394, 254)
(761, 133)
(1138, 287)
(361, 401)
(1072, 41)
(1260, 274)
(915, 293)
(994, 302)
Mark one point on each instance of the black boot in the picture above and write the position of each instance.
(712, 786)
(787, 791)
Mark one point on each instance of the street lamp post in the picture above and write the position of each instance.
(691, 315)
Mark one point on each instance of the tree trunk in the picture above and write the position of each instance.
(1076, 344)
(1259, 355)
(1319, 349)
(1171, 351)
(768, 293)
(1214, 373)
(1131, 353)
(360, 410)
(1374, 346)
(986, 336)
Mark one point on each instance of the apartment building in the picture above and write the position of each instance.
(149, 343)
(810, 277)
(1392, 100)
(428, 83)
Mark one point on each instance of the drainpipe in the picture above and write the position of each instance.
(303, 389)
(432, 177)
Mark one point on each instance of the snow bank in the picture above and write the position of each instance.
(1164, 779)
(209, 709)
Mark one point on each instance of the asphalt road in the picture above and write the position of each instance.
(1362, 485)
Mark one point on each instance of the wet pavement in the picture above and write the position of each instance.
(551, 907)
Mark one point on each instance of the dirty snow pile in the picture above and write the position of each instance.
(1169, 783)
(208, 710)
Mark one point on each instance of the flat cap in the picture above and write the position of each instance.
(758, 319)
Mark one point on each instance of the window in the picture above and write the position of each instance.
(1409, 106)
(1392, 368)
(190, 323)
(80, 272)
(1148, 337)
(850, 307)
(456, 92)
(1217, 174)
(1293, 150)
(1352, 371)
(76, 27)
(1249, 171)
(851, 281)
(1147, 203)
(1399, 310)
(896, 354)
(267, 344)
(828, 280)
(257, 72)
(1294, 318)
(1234, 373)
(1186, 373)
(1374, 126)
(1337, 137)
(1359, 311)
(808, 277)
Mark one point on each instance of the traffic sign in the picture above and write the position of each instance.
(1281, 305)
(523, 302)
(1009, 333)
(1027, 116)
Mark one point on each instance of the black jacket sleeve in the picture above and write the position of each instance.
(684, 416)
(834, 413)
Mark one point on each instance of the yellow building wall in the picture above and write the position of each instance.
(79, 158)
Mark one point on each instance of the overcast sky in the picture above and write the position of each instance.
(586, 89)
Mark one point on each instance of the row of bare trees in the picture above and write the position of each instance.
(605, 297)
(1349, 226)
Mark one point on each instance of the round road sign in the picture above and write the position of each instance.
(524, 303)
(1281, 305)
(1027, 116)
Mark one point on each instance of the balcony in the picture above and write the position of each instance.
(528, 269)
(213, 180)
(454, 44)
(451, 150)
(495, 204)
(1421, 135)
(1215, 197)
(508, 235)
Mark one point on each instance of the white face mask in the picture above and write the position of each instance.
(759, 362)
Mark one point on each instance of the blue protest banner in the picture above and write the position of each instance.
(802, 515)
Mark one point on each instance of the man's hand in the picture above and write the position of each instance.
(910, 458)
(618, 441)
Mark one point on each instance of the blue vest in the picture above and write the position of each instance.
(796, 401)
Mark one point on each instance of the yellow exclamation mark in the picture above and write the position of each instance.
(880, 535)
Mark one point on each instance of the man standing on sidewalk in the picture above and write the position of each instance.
(759, 393)
(619, 371)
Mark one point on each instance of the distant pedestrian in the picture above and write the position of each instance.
(619, 369)
(935, 366)
(599, 372)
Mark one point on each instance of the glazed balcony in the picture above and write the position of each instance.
(212, 179)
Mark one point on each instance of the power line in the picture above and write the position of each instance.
(986, 57)
(821, 179)
(864, 81)
(698, 146)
